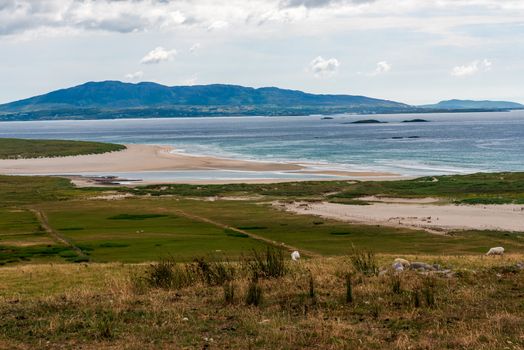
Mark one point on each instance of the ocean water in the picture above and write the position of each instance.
(455, 143)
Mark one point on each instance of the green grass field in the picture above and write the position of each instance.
(136, 230)
(157, 221)
(73, 267)
(22, 148)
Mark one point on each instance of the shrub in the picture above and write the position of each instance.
(349, 289)
(395, 283)
(214, 273)
(269, 264)
(229, 292)
(312, 293)
(254, 293)
(104, 326)
(161, 274)
(167, 274)
(428, 291)
(364, 261)
(416, 299)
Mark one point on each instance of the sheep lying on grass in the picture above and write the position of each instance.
(496, 251)
(295, 256)
(403, 262)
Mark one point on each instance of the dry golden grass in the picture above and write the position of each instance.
(99, 306)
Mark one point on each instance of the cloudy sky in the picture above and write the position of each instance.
(414, 51)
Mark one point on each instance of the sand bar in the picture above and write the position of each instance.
(148, 158)
(433, 218)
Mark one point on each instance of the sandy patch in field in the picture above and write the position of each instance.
(28, 243)
(113, 197)
(425, 200)
(433, 218)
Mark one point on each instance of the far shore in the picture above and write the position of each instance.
(142, 158)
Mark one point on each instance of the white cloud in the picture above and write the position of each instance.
(33, 18)
(216, 25)
(195, 47)
(321, 67)
(134, 76)
(158, 55)
(472, 68)
(382, 67)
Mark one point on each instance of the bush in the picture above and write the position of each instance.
(364, 261)
(104, 326)
(254, 293)
(349, 289)
(167, 274)
(395, 283)
(428, 291)
(269, 264)
(312, 293)
(214, 273)
(416, 298)
(229, 292)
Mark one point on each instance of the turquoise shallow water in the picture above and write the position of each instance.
(448, 144)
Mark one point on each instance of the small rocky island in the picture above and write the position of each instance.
(416, 121)
(367, 121)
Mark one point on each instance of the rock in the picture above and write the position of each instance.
(421, 266)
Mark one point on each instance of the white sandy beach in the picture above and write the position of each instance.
(142, 158)
(134, 158)
(431, 217)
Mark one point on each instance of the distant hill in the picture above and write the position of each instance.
(469, 104)
(117, 100)
(118, 95)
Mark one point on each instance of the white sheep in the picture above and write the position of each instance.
(295, 256)
(397, 266)
(403, 262)
(496, 251)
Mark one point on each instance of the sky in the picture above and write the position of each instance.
(412, 51)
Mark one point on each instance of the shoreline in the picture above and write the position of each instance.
(148, 159)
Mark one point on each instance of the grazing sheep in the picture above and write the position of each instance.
(496, 251)
(295, 256)
(403, 262)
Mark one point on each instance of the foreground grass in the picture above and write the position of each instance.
(22, 148)
(99, 306)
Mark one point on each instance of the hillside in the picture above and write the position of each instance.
(117, 95)
(469, 104)
(117, 100)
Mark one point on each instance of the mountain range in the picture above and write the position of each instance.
(115, 99)
(469, 104)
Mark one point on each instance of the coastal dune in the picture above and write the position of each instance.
(430, 217)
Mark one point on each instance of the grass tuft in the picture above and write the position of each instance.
(364, 261)
(269, 263)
